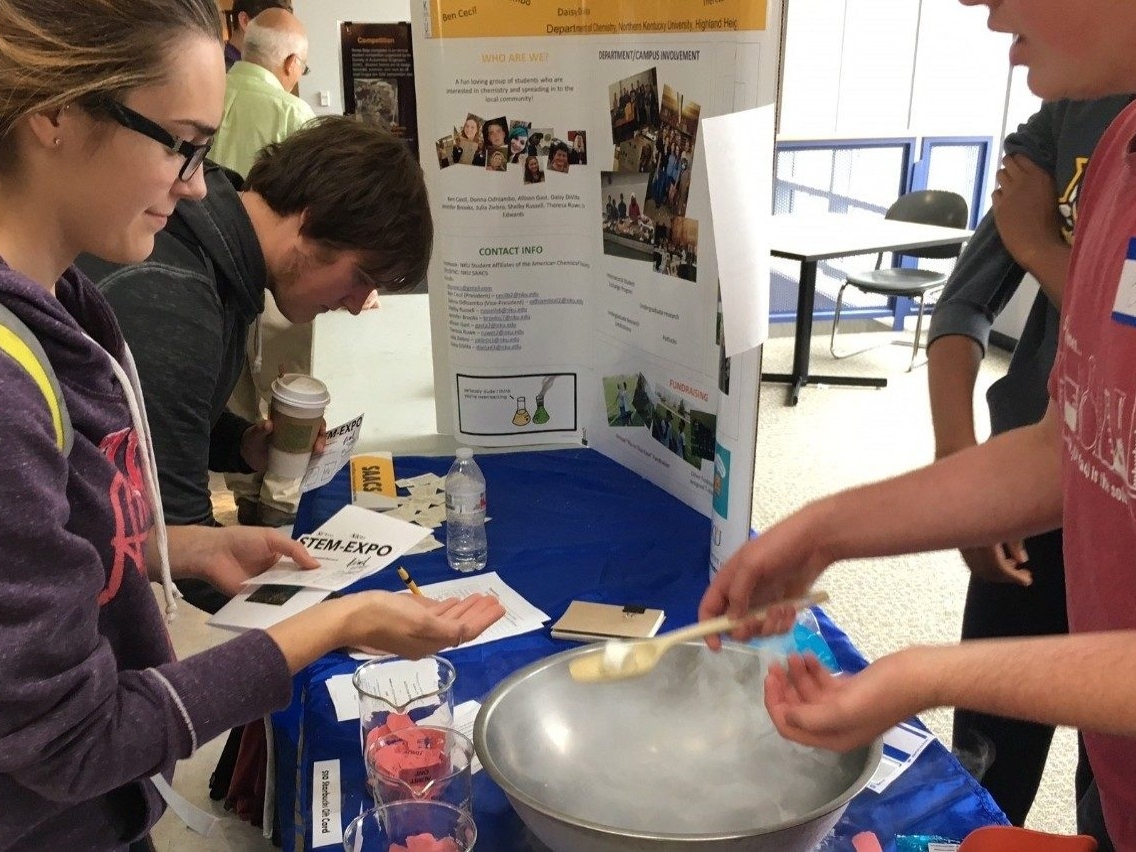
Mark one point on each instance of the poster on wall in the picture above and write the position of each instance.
(575, 266)
(378, 77)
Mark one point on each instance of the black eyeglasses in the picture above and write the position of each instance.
(128, 118)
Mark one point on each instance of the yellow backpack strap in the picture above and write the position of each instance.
(19, 344)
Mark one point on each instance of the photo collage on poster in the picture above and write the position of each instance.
(500, 145)
(645, 195)
(632, 400)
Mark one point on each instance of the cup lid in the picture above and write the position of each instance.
(301, 390)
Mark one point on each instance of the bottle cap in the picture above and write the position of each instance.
(464, 453)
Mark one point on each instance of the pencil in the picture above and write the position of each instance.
(410, 584)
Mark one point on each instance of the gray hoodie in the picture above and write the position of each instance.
(185, 312)
(92, 702)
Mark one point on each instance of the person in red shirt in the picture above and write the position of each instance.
(1076, 468)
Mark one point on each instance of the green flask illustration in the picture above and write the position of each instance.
(541, 413)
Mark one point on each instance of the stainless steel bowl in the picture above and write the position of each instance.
(683, 757)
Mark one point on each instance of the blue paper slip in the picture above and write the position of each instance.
(902, 745)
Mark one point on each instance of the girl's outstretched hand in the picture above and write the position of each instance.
(414, 626)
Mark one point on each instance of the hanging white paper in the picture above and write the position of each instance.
(739, 165)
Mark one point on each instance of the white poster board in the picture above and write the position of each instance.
(574, 283)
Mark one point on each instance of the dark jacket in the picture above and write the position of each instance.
(92, 702)
(186, 312)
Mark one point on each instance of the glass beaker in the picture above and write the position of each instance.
(429, 763)
(521, 418)
(447, 828)
(396, 693)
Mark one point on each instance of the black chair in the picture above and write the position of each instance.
(927, 207)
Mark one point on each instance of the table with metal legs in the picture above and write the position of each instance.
(810, 239)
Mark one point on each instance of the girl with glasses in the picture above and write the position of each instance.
(107, 108)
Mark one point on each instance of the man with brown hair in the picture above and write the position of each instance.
(304, 227)
(243, 13)
(260, 109)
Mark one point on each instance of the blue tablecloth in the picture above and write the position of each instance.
(572, 524)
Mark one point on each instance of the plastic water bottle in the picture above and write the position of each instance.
(466, 546)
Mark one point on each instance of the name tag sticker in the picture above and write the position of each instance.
(1124, 308)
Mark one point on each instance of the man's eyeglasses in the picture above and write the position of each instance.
(128, 118)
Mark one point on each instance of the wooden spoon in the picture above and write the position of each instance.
(619, 659)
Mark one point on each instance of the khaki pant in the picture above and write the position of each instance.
(285, 347)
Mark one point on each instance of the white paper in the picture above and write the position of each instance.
(409, 684)
(406, 679)
(902, 745)
(336, 453)
(352, 544)
(345, 700)
(425, 546)
(344, 696)
(421, 479)
(426, 506)
(520, 615)
(406, 682)
(431, 494)
(271, 604)
(739, 168)
(465, 714)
